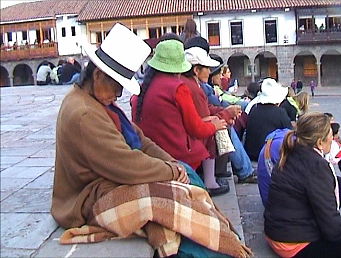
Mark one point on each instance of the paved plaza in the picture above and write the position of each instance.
(28, 116)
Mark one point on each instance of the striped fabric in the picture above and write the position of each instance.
(163, 211)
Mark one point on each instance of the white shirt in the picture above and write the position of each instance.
(42, 73)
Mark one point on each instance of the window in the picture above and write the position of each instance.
(63, 32)
(1, 39)
(306, 23)
(173, 29)
(73, 30)
(9, 36)
(309, 67)
(270, 31)
(98, 37)
(154, 33)
(213, 34)
(236, 33)
(24, 35)
(47, 35)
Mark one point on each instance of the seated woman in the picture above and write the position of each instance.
(302, 215)
(216, 83)
(197, 53)
(106, 166)
(265, 117)
(295, 105)
(166, 104)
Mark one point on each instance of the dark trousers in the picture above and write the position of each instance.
(321, 249)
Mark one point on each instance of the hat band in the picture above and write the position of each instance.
(113, 64)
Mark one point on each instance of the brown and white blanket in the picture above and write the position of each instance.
(161, 212)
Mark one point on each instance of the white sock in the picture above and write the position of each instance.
(208, 172)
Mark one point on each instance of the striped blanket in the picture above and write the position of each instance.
(161, 212)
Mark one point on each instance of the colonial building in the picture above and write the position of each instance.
(288, 39)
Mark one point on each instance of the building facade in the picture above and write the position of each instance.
(285, 40)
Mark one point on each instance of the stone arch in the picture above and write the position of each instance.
(4, 77)
(305, 67)
(330, 67)
(266, 65)
(22, 75)
(238, 63)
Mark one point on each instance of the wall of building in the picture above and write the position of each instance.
(69, 45)
(253, 27)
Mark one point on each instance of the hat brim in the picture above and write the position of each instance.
(129, 84)
(167, 68)
(215, 70)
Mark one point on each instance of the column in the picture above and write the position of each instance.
(252, 64)
(11, 81)
(318, 64)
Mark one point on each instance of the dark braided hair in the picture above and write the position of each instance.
(148, 77)
(86, 74)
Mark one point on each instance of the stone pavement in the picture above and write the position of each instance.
(28, 116)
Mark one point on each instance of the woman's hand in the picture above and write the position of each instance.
(219, 124)
(183, 177)
(234, 111)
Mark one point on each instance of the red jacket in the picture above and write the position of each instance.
(161, 120)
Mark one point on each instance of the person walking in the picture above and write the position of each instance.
(312, 87)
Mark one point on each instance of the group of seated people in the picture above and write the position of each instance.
(66, 72)
(154, 176)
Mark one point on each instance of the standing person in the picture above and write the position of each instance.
(70, 72)
(265, 117)
(43, 74)
(189, 31)
(293, 85)
(181, 132)
(299, 86)
(302, 215)
(312, 87)
(104, 162)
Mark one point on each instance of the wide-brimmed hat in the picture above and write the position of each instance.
(216, 69)
(120, 55)
(169, 57)
(199, 56)
(272, 92)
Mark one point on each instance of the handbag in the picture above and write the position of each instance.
(223, 141)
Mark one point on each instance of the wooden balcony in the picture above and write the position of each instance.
(43, 50)
(318, 36)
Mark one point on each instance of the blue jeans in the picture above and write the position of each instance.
(240, 161)
(74, 79)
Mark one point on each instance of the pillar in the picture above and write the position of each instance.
(252, 64)
(318, 64)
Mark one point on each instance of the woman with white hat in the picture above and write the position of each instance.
(197, 53)
(165, 111)
(95, 142)
(265, 117)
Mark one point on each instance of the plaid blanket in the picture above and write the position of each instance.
(161, 212)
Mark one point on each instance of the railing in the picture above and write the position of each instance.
(319, 36)
(28, 51)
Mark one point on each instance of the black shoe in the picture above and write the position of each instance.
(218, 191)
(251, 179)
(222, 181)
(226, 174)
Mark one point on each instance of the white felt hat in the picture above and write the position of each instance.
(272, 92)
(120, 55)
(198, 55)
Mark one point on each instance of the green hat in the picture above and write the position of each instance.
(169, 57)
